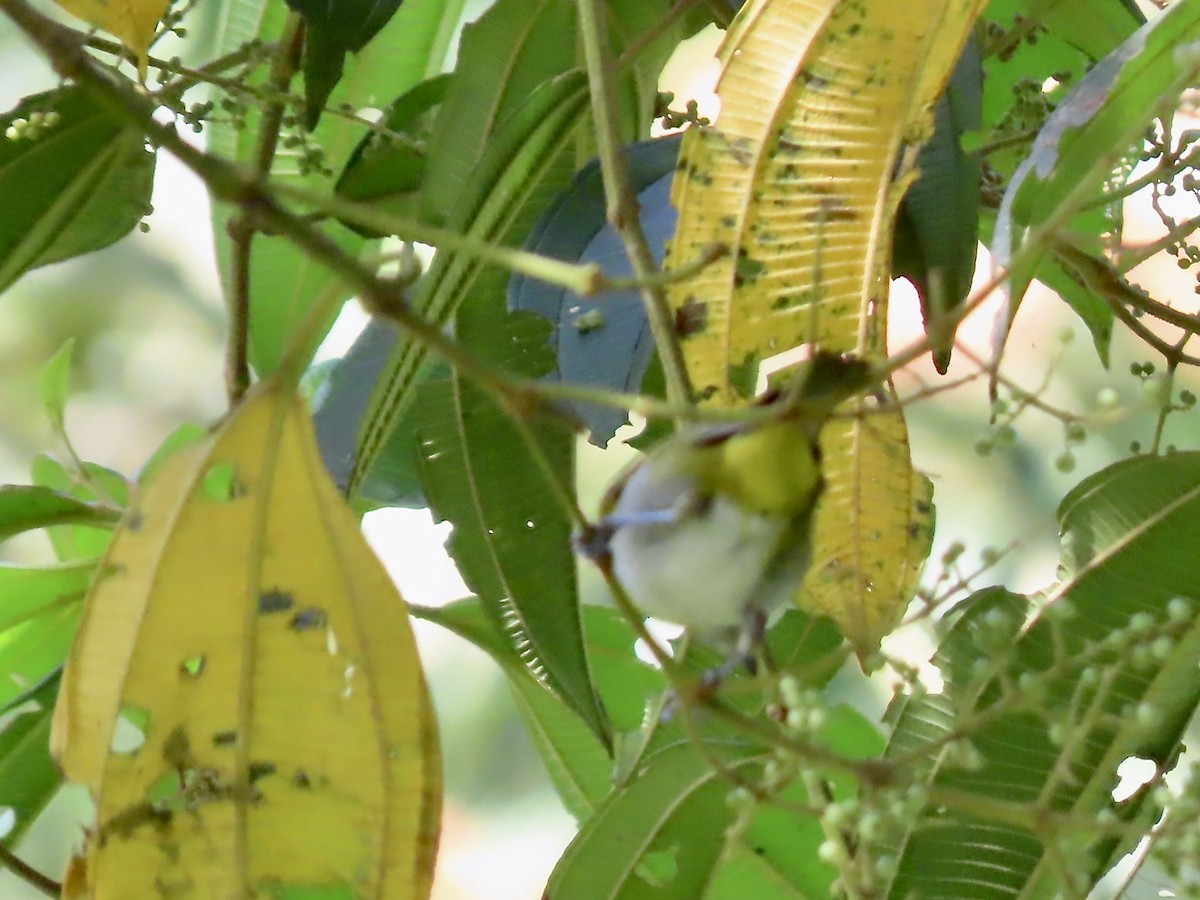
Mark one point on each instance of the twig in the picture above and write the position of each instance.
(205, 73)
(622, 204)
(28, 873)
(584, 279)
(242, 226)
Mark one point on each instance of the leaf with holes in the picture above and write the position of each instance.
(798, 177)
(245, 630)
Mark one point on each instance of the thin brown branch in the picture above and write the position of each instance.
(28, 873)
(242, 227)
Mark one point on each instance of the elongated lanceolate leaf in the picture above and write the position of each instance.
(1083, 141)
(797, 179)
(1114, 660)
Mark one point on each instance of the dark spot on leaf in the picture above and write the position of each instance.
(274, 601)
(133, 520)
(747, 269)
(131, 735)
(177, 749)
(728, 221)
(691, 318)
(301, 780)
(260, 770)
(308, 618)
(743, 378)
(224, 738)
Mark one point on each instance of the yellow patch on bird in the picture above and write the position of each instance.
(771, 469)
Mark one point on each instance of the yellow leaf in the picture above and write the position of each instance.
(132, 22)
(820, 102)
(873, 529)
(244, 698)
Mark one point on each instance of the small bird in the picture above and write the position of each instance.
(712, 529)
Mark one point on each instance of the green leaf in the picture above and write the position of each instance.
(578, 764)
(100, 485)
(25, 507)
(636, 84)
(387, 171)
(285, 281)
(1094, 26)
(1116, 661)
(667, 833)
(512, 547)
(56, 383)
(660, 836)
(331, 31)
(39, 610)
(776, 854)
(71, 185)
(338, 414)
(183, 436)
(1088, 283)
(937, 226)
(28, 776)
(503, 57)
(496, 204)
(1086, 137)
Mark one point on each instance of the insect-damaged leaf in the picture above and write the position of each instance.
(798, 177)
(249, 639)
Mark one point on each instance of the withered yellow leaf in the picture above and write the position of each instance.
(244, 698)
(820, 99)
(132, 22)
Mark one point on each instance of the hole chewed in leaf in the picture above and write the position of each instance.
(129, 735)
(8, 820)
(220, 483)
(193, 666)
